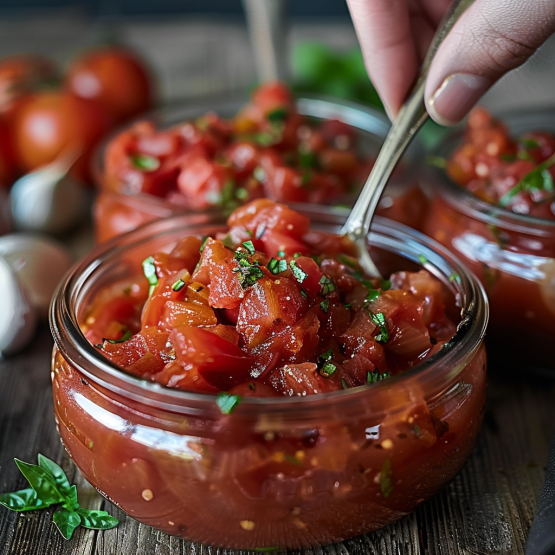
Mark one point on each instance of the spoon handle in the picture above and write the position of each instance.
(409, 120)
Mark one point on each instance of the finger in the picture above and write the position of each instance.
(489, 40)
(384, 33)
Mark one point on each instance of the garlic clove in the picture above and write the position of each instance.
(17, 317)
(39, 263)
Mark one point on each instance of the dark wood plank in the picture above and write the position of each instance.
(487, 509)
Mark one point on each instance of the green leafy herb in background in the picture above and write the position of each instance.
(50, 486)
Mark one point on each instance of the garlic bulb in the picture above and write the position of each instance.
(17, 316)
(38, 262)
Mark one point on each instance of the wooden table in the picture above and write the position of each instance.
(486, 509)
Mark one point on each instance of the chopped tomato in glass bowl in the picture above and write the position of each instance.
(496, 212)
(263, 394)
(290, 150)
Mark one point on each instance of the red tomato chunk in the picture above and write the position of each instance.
(514, 173)
(270, 308)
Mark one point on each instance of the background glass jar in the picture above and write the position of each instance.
(513, 255)
(116, 211)
(291, 472)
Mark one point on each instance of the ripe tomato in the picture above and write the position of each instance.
(49, 123)
(116, 78)
(21, 74)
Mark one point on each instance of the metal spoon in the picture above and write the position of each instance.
(49, 199)
(410, 119)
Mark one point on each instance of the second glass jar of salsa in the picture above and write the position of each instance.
(493, 205)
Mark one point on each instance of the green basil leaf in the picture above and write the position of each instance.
(60, 479)
(22, 500)
(41, 481)
(66, 521)
(97, 520)
(145, 162)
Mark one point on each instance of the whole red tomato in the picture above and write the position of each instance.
(116, 78)
(21, 74)
(48, 124)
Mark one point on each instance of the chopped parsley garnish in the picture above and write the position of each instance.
(307, 159)
(325, 305)
(281, 254)
(277, 115)
(327, 285)
(539, 179)
(226, 402)
(277, 266)
(50, 486)
(455, 277)
(348, 261)
(376, 376)
(297, 255)
(373, 294)
(122, 339)
(241, 193)
(385, 284)
(528, 143)
(306, 177)
(378, 319)
(248, 273)
(328, 355)
(328, 369)
(249, 247)
(178, 285)
(422, 259)
(145, 162)
(304, 293)
(149, 270)
(348, 306)
(299, 274)
(386, 478)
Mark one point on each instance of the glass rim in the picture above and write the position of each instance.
(437, 370)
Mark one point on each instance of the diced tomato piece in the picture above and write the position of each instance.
(355, 370)
(269, 306)
(243, 157)
(311, 282)
(186, 253)
(299, 380)
(272, 96)
(279, 244)
(179, 313)
(359, 339)
(221, 363)
(342, 162)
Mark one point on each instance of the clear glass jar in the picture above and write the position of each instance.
(276, 472)
(512, 254)
(116, 212)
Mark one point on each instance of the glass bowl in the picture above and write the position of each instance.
(512, 254)
(116, 212)
(285, 472)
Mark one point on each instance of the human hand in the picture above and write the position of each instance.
(491, 38)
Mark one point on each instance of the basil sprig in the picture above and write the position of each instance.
(539, 179)
(50, 486)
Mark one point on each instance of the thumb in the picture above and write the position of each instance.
(490, 39)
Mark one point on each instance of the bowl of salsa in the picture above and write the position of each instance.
(244, 385)
(292, 150)
(494, 207)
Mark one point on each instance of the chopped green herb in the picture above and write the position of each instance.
(306, 177)
(281, 253)
(277, 266)
(507, 157)
(277, 115)
(50, 486)
(228, 242)
(145, 162)
(292, 459)
(328, 355)
(327, 285)
(528, 143)
(386, 478)
(328, 369)
(304, 293)
(178, 285)
(539, 179)
(149, 270)
(344, 383)
(248, 274)
(348, 261)
(373, 294)
(259, 174)
(250, 247)
(241, 193)
(455, 277)
(226, 402)
(378, 319)
(422, 259)
(347, 306)
(385, 284)
(307, 159)
(252, 386)
(297, 255)
(437, 161)
(265, 138)
(122, 339)
(299, 274)
(376, 376)
(325, 305)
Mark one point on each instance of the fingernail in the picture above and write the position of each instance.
(456, 96)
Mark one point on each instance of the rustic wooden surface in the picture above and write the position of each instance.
(487, 509)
